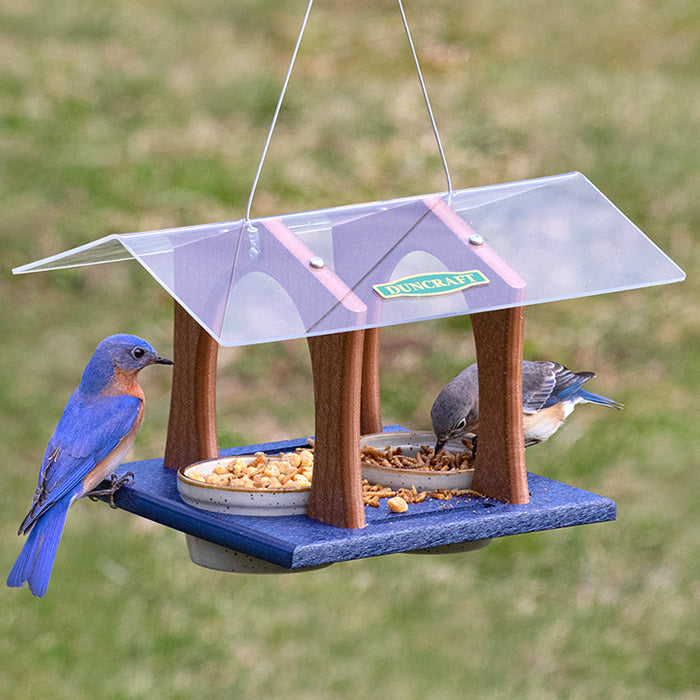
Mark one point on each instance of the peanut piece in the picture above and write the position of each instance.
(397, 505)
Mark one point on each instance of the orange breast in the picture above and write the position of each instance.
(125, 383)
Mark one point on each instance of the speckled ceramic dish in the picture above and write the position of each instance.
(238, 501)
(213, 556)
(410, 443)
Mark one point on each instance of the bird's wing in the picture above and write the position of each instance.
(87, 433)
(567, 383)
(538, 384)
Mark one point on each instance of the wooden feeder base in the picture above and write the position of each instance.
(298, 542)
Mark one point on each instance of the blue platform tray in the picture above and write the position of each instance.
(297, 541)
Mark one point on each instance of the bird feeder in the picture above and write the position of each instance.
(336, 277)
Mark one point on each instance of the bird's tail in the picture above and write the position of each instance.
(595, 398)
(34, 564)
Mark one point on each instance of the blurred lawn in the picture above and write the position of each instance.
(124, 116)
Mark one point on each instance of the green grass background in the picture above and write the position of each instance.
(125, 116)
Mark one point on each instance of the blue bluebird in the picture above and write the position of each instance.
(550, 393)
(98, 426)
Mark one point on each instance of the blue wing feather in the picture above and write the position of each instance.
(549, 383)
(88, 431)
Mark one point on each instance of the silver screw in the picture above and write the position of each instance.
(317, 262)
(476, 239)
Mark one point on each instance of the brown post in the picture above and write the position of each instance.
(371, 410)
(499, 469)
(192, 423)
(336, 489)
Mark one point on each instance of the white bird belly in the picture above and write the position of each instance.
(543, 424)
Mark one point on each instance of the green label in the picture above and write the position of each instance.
(430, 284)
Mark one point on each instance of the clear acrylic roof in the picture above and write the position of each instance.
(391, 262)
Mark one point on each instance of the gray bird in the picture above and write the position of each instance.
(550, 392)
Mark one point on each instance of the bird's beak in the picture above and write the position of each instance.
(163, 361)
(439, 445)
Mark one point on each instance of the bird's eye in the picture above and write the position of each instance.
(461, 425)
(138, 353)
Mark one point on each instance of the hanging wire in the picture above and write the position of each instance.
(427, 103)
(251, 228)
(252, 231)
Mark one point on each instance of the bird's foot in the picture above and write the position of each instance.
(116, 482)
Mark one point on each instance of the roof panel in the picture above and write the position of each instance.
(394, 261)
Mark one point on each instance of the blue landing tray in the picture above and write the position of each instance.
(296, 541)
